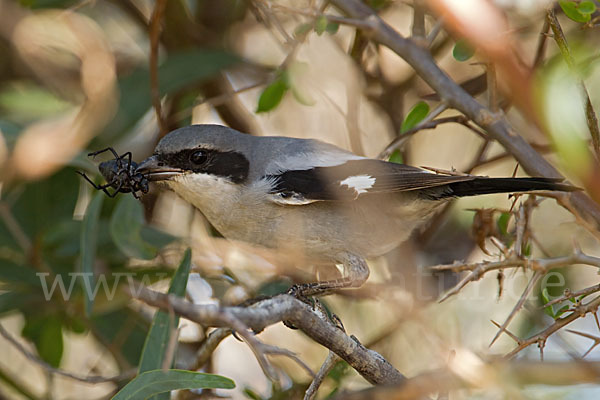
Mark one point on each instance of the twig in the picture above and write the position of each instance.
(541, 337)
(370, 364)
(569, 295)
(330, 362)
(596, 340)
(532, 282)
(209, 346)
(541, 47)
(418, 26)
(155, 20)
(590, 114)
(50, 369)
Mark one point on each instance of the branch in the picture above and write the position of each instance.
(370, 364)
(82, 378)
(497, 126)
(155, 19)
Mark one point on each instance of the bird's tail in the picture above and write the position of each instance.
(482, 185)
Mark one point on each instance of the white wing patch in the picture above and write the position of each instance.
(360, 183)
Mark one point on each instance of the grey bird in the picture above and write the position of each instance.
(309, 196)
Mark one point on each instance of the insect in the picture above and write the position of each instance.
(119, 174)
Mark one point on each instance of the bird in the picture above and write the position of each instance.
(306, 195)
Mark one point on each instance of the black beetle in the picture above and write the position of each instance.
(119, 174)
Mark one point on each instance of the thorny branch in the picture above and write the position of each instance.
(370, 364)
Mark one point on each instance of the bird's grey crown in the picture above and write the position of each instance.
(267, 155)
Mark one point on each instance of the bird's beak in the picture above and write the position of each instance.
(157, 171)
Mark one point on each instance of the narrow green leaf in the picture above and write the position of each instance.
(251, 394)
(89, 238)
(396, 157)
(157, 340)
(159, 335)
(46, 333)
(549, 311)
(159, 381)
(545, 296)
(587, 7)
(414, 116)
(462, 50)
(321, 24)
(272, 95)
(125, 228)
(572, 12)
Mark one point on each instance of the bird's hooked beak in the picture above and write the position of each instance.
(155, 170)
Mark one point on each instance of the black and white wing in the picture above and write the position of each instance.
(352, 179)
(363, 177)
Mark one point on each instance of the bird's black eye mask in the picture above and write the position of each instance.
(227, 164)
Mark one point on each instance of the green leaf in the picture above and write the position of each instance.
(272, 95)
(89, 238)
(586, 7)
(251, 394)
(396, 157)
(572, 11)
(332, 28)
(462, 50)
(561, 311)
(502, 223)
(26, 102)
(159, 381)
(321, 24)
(46, 333)
(158, 337)
(414, 116)
(178, 71)
(545, 296)
(302, 29)
(125, 228)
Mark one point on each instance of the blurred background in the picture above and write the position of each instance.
(79, 76)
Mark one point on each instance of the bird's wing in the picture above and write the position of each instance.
(352, 179)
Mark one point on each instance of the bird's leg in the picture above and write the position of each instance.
(356, 272)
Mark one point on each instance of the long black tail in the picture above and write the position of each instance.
(481, 185)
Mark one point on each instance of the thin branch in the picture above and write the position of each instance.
(330, 362)
(541, 337)
(155, 21)
(541, 47)
(596, 340)
(50, 369)
(532, 282)
(370, 364)
(209, 346)
(418, 26)
(570, 295)
(590, 114)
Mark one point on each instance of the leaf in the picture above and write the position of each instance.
(414, 116)
(302, 29)
(158, 338)
(89, 238)
(572, 12)
(502, 223)
(332, 28)
(561, 311)
(545, 296)
(46, 333)
(586, 7)
(462, 50)
(321, 24)
(272, 95)
(125, 228)
(396, 157)
(178, 71)
(159, 381)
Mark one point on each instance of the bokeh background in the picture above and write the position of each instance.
(76, 76)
